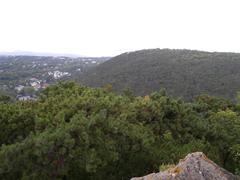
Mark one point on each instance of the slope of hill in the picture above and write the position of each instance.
(185, 73)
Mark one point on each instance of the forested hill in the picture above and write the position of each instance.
(185, 73)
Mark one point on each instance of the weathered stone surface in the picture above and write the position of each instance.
(195, 166)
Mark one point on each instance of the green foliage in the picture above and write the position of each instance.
(4, 98)
(164, 167)
(235, 153)
(28, 91)
(17, 121)
(76, 132)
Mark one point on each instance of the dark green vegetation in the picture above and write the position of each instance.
(75, 132)
(26, 75)
(183, 73)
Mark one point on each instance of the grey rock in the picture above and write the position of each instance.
(195, 166)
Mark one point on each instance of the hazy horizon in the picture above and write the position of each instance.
(34, 53)
(109, 28)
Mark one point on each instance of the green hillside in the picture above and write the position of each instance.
(184, 73)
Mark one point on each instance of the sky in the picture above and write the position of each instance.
(112, 27)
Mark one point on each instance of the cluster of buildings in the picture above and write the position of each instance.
(25, 98)
(19, 88)
(58, 74)
(38, 84)
(34, 85)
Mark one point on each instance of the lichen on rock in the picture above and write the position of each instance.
(195, 166)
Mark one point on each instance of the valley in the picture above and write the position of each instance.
(24, 76)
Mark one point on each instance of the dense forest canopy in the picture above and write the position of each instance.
(183, 73)
(76, 132)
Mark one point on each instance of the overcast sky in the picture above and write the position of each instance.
(111, 27)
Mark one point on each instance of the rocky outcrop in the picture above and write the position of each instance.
(195, 166)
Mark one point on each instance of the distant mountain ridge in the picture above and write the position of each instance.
(184, 73)
(29, 53)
